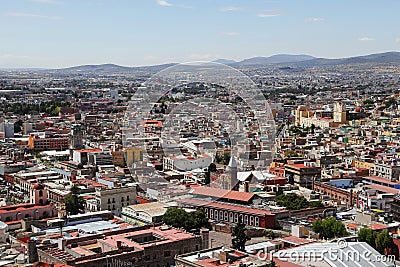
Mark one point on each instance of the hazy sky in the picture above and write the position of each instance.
(60, 33)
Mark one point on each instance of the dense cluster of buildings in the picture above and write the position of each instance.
(338, 149)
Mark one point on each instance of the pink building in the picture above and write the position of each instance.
(21, 211)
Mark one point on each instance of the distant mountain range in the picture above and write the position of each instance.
(281, 60)
(112, 68)
(307, 60)
(275, 59)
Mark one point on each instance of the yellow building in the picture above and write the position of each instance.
(133, 154)
(364, 165)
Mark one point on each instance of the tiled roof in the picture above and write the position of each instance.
(222, 193)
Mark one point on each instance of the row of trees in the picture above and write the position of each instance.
(294, 202)
(50, 107)
(180, 218)
(383, 242)
(329, 228)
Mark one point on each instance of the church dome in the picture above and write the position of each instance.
(38, 186)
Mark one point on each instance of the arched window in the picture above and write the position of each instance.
(231, 216)
(246, 219)
(40, 193)
(251, 220)
(236, 217)
(226, 216)
(256, 221)
(221, 215)
(211, 214)
(216, 214)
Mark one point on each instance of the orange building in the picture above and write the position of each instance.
(48, 142)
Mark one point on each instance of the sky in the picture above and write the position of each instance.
(63, 33)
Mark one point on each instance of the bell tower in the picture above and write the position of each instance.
(231, 171)
(339, 113)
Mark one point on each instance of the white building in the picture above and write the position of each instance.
(187, 163)
(388, 171)
(142, 214)
(114, 199)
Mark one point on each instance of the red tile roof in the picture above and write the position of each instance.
(383, 188)
(378, 226)
(222, 193)
(380, 179)
(299, 166)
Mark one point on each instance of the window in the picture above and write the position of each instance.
(216, 214)
(251, 220)
(246, 219)
(236, 217)
(109, 201)
(206, 211)
(221, 215)
(241, 217)
(226, 216)
(231, 216)
(256, 221)
(113, 200)
(127, 198)
(122, 199)
(40, 193)
(211, 214)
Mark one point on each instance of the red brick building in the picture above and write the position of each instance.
(48, 142)
(337, 194)
(231, 214)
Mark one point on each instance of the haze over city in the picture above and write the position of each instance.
(182, 133)
(61, 33)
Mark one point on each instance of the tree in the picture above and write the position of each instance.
(367, 235)
(292, 201)
(269, 234)
(317, 226)
(175, 217)
(329, 228)
(239, 236)
(316, 204)
(384, 242)
(210, 169)
(290, 154)
(179, 218)
(74, 203)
